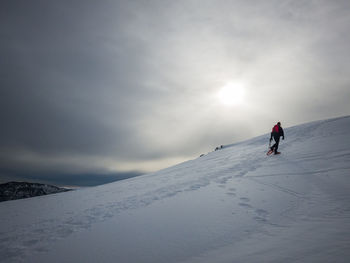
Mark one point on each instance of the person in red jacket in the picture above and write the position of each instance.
(276, 133)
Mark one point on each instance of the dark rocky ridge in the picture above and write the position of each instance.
(20, 190)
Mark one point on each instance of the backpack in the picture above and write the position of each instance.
(275, 129)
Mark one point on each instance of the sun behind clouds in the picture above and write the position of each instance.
(232, 94)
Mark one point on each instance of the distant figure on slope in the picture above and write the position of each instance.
(276, 133)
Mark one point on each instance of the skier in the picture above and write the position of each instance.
(276, 133)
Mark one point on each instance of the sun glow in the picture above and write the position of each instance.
(232, 94)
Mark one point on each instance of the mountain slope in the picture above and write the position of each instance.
(20, 190)
(232, 205)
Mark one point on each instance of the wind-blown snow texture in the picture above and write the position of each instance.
(232, 205)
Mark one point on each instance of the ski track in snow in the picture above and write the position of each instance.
(270, 195)
(34, 237)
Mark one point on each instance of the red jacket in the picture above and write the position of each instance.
(277, 131)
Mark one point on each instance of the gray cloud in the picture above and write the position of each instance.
(131, 85)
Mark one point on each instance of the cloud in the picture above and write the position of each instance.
(119, 85)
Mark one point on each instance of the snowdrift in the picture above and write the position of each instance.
(232, 205)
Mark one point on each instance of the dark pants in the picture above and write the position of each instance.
(277, 141)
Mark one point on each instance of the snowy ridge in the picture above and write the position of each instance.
(232, 205)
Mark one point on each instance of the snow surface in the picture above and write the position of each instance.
(231, 205)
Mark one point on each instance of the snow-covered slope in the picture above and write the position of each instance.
(232, 205)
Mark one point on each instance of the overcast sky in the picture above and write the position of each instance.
(94, 90)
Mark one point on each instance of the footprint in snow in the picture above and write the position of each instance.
(261, 212)
(245, 205)
(231, 194)
(260, 219)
